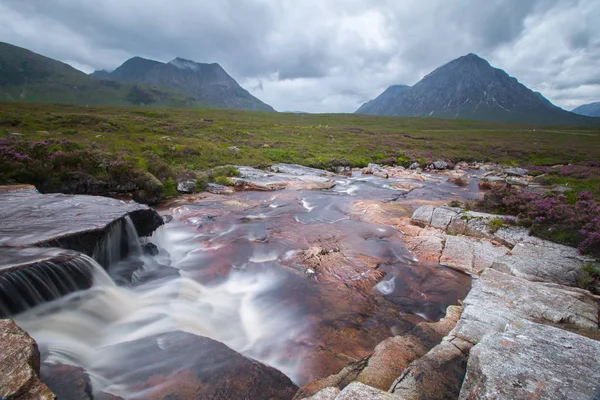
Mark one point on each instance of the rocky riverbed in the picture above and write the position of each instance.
(355, 284)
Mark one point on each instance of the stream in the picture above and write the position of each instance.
(301, 280)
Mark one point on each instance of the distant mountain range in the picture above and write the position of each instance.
(470, 88)
(27, 76)
(206, 83)
(591, 109)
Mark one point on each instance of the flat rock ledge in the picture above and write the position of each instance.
(524, 331)
(75, 222)
(283, 176)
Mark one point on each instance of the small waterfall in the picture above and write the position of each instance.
(24, 287)
(121, 241)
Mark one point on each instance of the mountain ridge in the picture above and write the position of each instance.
(206, 83)
(589, 110)
(31, 77)
(470, 88)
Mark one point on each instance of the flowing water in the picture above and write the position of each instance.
(299, 280)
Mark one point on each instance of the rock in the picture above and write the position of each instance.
(442, 216)
(340, 170)
(427, 247)
(255, 179)
(64, 272)
(517, 182)
(360, 391)
(540, 260)
(532, 361)
(515, 171)
(20, 365)
(185, 366)
(389, 358)
(67, 381)
(422, 215)
(233, 149)
(497, 299)
(438, 165)
(76, 222)
(414, 165)
(488, 182)
(299, 170)
(372, 168)
(381, 174)
(329, 393)
(438, 375)
(470, 255)
(186, 186)
(14, 134)
(406, 186)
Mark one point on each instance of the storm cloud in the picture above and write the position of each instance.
(324, 56)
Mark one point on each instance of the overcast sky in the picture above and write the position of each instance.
(324, 55)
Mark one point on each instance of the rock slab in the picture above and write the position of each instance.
(20, 365)
(533, 361)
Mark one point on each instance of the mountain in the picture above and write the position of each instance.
(590, 110)
(470, 88)
(206, 83)
(27, 76)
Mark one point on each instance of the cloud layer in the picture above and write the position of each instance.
(324, 56)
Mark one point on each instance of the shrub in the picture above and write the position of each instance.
(552, 217)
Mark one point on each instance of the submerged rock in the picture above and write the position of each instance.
(185, 366)
(20, 365)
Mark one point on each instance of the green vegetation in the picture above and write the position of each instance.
(589, 277)
(59, 142)
(495, 224)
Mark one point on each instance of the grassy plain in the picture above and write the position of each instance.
(187, 140)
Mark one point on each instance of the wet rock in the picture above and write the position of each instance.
(67, 381)
(20, 365)
(414, 165)
(381, 174)
(187, 186)
(531, 361)
(300, 170)
(31, 276)
(182, 365)
(390, 357)
(406, 186)
(438, 165)
(540, 260)
(470, 255)
(498, 299)
(515, 171)
(215, 188)
(438, 375)
(74, 222)
(255, 179)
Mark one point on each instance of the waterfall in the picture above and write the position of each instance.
(120, 241)
(24, 287)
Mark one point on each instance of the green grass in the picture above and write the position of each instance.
(167, 141)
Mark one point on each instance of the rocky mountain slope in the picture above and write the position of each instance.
(206, 83)
(470, 88)
(27, 76)
(591, 109)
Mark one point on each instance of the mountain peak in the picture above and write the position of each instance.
(183, 63)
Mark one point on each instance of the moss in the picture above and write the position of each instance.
(223, 180)
(495, 224)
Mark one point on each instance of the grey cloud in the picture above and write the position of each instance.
(318, 55)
